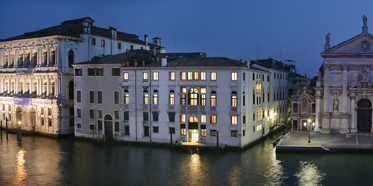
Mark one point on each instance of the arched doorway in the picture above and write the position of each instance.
(192, 129)
(364, 116)
(18, 115)
(108, 124)
(32, 118)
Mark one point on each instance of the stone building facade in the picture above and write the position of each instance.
(344, 92)
(36, 76)
(303, 108)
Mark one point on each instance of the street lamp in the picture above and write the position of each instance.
(309, 128)
(19, 134)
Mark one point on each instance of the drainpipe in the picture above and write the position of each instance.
(150, 105)
(136, 104)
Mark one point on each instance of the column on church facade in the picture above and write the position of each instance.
(23, 59)
(55, 87)
(16, 86)
(344, 90)
(326, 88)
(15, 58)
(2, 59)
(8, 86)
(317, 114)
(38, 86)
(48, 60)
(24, 84)
(38, 57)
(30, 86)
(353, 112)
(48, 86)
(56, 57)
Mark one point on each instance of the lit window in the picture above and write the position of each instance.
(234, 120)
(234, 76)
(234, 101)
(182, 118)
(203, 118)
(125, 99)
(172, 75)
(182, 129)
(213, 119)
(171, 99)
(213, 76)
(203, 130)
(213, 100)
(203, 76)
(203, 96)
(155, 76)
(193, 120)
(183, 75)
(102, 42)
(155, 99)
(195, 75)
(125, 76)
(193, 96)
(145, 76)
(190, 75)
(212, 132)
(234, 133)
(145, 99)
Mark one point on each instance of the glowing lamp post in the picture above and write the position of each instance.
(19, 133)
(309, 126)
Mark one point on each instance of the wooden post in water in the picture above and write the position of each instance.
(170, 139)
(93, 140)
(217, 141)
(1, 129)
(6, 127)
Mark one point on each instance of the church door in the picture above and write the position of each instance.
(364, 116)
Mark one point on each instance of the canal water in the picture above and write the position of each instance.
(49, 161)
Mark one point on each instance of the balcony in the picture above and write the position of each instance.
(171, 107)
(145, 107)
(155, 107)
(192, 107)
(125, 106)
(233, 109)
(212, 108)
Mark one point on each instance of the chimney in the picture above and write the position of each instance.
(128, 63)
(113, 32)
(143, 63)
(241, 60)
(164, 61)
(146, 39)
(135, 63)
(247, 63)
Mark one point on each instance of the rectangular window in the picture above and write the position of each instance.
(116, 97)
(203, 76)
(119, 45)
(145, 99)
(190, 75)
(102, 42)
(295, 107)
(172, 76)
(243, 133)
(127, 130)
(213, 100)
(234, 101)
(126, 115)
(182, 99)
(78, 125)
(172, 130)
(213, 76)
(171, 99)
(99, 114)
(115, 71)
(253, 116)
(243, 77)
(212, 132)
(91, 97)
(155, 129)
(253, 76)
(155, 99)
(234, 120)
(244, 119)
(91, 72)
(234, 76)
(91, 127)
(145, 116)
(99, 125)
(71, 111)
(155, 116)
(313, 108)
(268, 78)
(49, 122)
(155, 76)
(116, 114)
(203, 99)
(243, 100)
(93, 41)
(99, 97)
(171, 116)
(203, 130)
(79, 113)
(196, 76)
(182, 118)
(182, 75)
(99, 72)
(78, 96)
(213, 119)
(78, 72)
(234, 133)
(182, 129)
(203, 118)
(42, 121)
(116, 126)
(126, 99)
(145, 76)
(49, 111)
(91, 114)
(125, 76)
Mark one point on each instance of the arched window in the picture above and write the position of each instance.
(71, 58)
(234, 99)
(193, 96)
(155, 97)
(126, 97)
(171, 99)
(213, 98)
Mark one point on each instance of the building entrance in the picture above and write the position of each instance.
(193, 130)
(364, 116)
(108, 124)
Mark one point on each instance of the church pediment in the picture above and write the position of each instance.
(361, 44)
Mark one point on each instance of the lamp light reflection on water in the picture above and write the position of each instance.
(20, 173)
(308, 174)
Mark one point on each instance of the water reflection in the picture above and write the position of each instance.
(20, 174)
(308, 174)
(195, 168)
(234, 176)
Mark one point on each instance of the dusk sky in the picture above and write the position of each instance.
(248, 30)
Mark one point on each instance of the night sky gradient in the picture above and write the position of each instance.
(280, 29)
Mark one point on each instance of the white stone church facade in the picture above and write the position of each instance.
(344, 92)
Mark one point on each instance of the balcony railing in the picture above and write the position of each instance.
(192, 107)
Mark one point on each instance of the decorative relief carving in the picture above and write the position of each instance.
(326, 66)
(304, 105)
(364, 46)
(364, 79)
(345, 67)
(336, 79)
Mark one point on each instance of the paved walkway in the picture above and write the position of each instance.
(298, 142)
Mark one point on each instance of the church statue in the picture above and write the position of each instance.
(327, 38)
(335, 104)
(354, 83)
(365, 19)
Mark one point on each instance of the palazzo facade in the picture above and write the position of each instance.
(344, 92)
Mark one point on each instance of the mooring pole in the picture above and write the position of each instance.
(6, 127)
(170, 139)
(93, 141)
(1, 129)
(17, 133)
(217, 141)
(20, 133)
